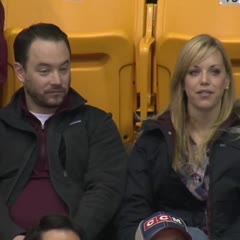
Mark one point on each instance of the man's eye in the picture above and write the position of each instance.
(44, 71)
(64, 69)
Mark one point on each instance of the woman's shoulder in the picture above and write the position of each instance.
(157, 130)
(158, 122)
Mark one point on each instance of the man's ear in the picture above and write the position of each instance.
(19, 71)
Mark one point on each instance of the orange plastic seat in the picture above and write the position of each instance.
(103, 37)
(144, 66)
(178, 21)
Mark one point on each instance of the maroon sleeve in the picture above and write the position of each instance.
(3, 49)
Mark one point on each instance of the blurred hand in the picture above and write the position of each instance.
(19, 237)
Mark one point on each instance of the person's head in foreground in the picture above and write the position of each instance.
(162, 226)
(55, 227)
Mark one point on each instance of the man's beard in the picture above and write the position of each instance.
(45, 100)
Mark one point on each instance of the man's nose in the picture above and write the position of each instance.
(56, 78)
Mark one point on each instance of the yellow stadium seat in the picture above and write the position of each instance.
(144, 65)
(103, 37)
(178, 21)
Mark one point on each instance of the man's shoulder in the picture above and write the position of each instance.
(92, 116)
(93, 112)
(79, 105)
(8, 111)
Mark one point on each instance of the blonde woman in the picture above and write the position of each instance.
(187, 160)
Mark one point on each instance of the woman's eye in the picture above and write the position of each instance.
(193, 72)
(216, 71)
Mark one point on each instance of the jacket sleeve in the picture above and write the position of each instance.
(8, 230)
(105, 179)
(3, 48)
(138, 196)
(233, 232)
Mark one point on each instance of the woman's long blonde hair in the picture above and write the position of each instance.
(194, 51)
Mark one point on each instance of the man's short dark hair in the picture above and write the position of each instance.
(54, 222)
(44, 31)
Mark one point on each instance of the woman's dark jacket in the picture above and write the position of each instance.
(87, 163)
(153, 184)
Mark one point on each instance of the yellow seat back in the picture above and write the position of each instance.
(102, 35)
(178, 21)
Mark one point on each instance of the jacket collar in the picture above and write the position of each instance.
(163, 123)
(14, 112)
(72, 101)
